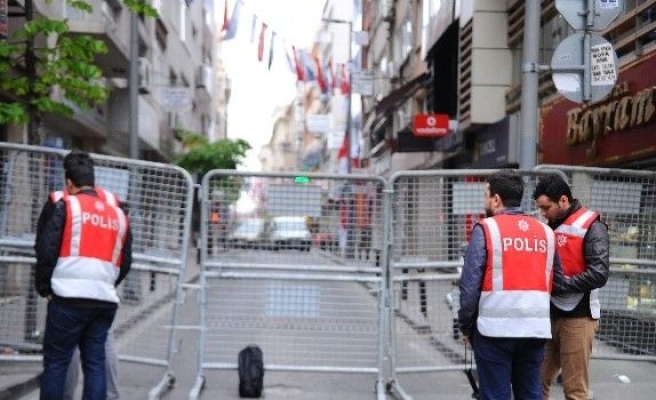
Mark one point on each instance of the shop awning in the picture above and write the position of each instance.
(399, 95)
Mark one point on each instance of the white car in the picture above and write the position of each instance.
(289, 233)
(248, 234)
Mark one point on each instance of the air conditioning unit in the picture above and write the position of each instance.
(145, 75)
(174, 120)
(204, 77)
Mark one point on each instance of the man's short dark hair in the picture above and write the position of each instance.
(552, 186)
(78, 167)
(509, 185)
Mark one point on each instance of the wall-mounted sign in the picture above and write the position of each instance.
(430, 125)
(618, 129)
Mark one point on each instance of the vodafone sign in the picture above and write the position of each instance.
(430, 125)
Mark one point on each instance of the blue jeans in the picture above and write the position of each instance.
(67, 328)
(509, 364)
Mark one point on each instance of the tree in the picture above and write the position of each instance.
(60, 62)
(201, 156)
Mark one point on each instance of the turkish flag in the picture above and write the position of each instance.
(260, 45)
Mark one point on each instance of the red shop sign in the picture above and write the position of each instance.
(430, 125)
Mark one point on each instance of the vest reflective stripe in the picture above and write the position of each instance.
(570, 236)
(497, 255)
(120, 238)
(107, 196)
(103, 194)
(75, 216)
(511, 304)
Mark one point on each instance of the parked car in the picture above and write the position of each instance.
(250, 233)
(289, 233)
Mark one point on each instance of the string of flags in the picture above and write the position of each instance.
(308, 67)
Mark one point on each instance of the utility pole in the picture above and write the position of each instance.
(530, 71)
(33, 136)
(133, 84)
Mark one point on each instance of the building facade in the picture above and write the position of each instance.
(176, 78)
(464, 59)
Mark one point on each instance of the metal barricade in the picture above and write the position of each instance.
(626, 200)
(159, 199)
(433, 214)
(291, 263)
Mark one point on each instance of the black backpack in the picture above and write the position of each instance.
(251, 372)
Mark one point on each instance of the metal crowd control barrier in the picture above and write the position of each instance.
(159, 198)
(433, 214)
(291, 263)
(626, 200)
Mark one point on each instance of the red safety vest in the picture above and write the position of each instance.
(518, 277)
(570, 241)
(569, 237)
(91, 249)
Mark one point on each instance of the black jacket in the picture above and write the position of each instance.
(49, 232)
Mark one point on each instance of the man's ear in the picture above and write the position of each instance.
(69, 186)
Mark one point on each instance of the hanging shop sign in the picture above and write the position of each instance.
(430, 125)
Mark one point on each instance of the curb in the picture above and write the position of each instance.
(18, 390)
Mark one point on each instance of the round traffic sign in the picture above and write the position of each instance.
(576, 14)
(568, 68)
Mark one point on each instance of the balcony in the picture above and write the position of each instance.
(108, 22)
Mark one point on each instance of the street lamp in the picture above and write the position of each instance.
(349, 131)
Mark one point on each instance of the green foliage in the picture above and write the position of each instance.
(202, 156)
(68, 65)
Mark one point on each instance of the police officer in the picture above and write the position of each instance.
(583, 246)
(505, 289)
(83, 250)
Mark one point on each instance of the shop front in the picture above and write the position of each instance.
(619, 131)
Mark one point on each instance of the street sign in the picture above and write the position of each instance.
(175, 99)
(584, 67)
(579, 18)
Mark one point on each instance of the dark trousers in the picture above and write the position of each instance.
(508, 365)
(67, 328)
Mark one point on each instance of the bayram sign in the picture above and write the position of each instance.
(620, 128)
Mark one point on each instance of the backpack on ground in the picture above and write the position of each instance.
(251, 372)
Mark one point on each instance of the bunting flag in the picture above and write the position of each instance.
(234, 21)
(308, 65)
(226, 21)
(342, 156)
(337, 78)
(300, 74)
(260, 44)
(345, 85)
(328, 77)
(321, 79)
(271, 45)
(343, 159)
(291, 64)
(253, 26)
